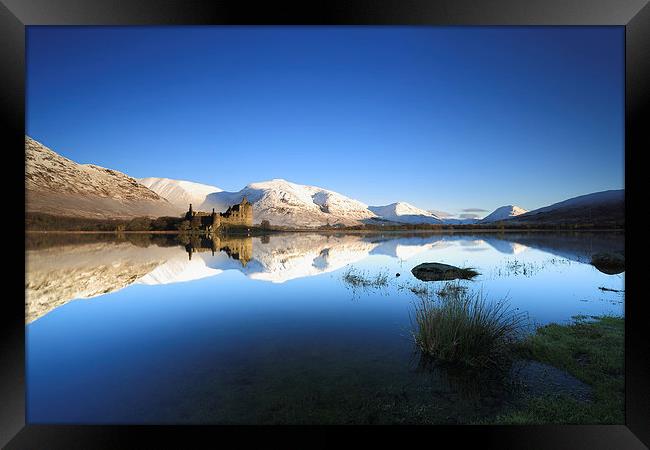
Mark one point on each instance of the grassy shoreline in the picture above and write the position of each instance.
(590, 349)
(461, 330)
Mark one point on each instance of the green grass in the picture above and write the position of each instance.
(590, 349)
(463, 329)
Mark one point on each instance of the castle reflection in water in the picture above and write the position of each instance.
(64, 267)
(239, 247)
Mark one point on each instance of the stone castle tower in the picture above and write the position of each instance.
(236, 215)
(241, 214)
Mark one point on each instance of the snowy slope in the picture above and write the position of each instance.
(440, 214)
(290, 204)
(284, 203)
(60, 186)
(404, 213)
(179, 193)
(504, 212)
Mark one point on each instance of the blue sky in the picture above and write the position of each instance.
(446, 118)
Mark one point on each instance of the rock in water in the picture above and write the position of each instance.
(609, 263)
(441, 272)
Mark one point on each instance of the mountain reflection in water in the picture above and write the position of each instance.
(269, 329)
(61, 268)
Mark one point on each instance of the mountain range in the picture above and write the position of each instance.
(59, 186)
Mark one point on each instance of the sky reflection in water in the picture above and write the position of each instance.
(275, 335)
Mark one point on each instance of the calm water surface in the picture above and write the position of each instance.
(265, 329)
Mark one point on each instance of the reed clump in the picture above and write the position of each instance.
(361, 279)
(462, 328)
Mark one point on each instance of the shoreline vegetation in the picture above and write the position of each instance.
(456, 329)
(461, 329)
(41, 222)
(590, 348)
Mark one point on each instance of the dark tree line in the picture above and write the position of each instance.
(49, 222)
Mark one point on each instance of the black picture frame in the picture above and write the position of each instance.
(634, 15)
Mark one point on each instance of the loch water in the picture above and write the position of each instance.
(262, 330)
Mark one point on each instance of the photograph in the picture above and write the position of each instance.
(325, 225)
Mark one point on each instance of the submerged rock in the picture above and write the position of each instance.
(609, 263)
(442, 272)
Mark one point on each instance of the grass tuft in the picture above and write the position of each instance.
(359, 279)
(462, 328)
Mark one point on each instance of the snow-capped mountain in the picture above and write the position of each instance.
(503, 213)
(290, 204)
(179, 193)
(405, 213)
(60, 186)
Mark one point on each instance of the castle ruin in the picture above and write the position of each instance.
(240, 215)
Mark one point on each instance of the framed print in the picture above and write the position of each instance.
(308, 219)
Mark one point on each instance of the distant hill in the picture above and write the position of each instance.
(59, 186)
(606, 208)
(504, 212)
